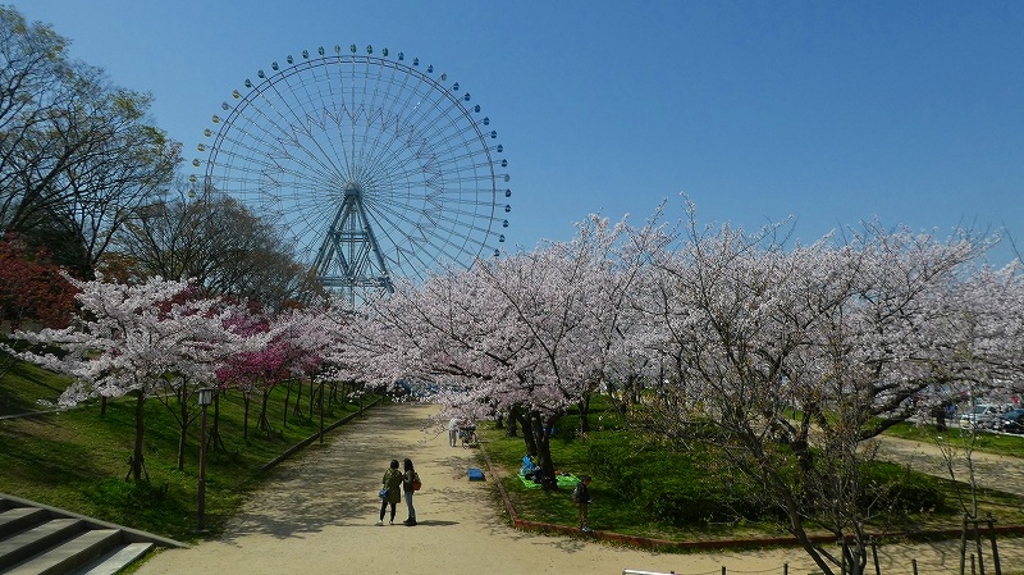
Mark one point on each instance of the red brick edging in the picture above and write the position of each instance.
(651, 543)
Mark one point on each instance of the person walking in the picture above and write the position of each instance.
(393, 496)
(581, 495)
(410, 483)
(453, 431)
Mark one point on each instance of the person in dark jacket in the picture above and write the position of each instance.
(581, 495)
(393, 483)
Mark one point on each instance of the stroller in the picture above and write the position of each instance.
(468, 436)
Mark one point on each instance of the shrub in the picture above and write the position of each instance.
(895, 488)
(672, 488)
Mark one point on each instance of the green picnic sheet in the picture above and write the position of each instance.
(564, 480)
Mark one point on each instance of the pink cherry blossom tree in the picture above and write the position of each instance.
(255, 371)
(526, 335)
(296, 341)
(315, 333)
(144, 340)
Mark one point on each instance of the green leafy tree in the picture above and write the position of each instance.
(216, 242)
(77, 154)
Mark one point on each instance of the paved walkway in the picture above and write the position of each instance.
(316, 515)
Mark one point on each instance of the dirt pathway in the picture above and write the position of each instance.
(317, 513)
(992, 471)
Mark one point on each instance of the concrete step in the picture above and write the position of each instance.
(25, 544)
(115, 560)
(17, 519)
(70, 554)
(41, 540)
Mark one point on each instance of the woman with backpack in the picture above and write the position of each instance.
(410, 484)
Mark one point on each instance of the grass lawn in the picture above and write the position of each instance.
(615, 511)
(78, 459)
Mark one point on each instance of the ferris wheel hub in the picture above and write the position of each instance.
(353, 189)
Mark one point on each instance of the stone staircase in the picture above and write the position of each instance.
(40, 540)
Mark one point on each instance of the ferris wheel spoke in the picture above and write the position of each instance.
(265, 146)
(385, 158)
(311, 122)
(308, 151)
(371, 94)
(456, 222)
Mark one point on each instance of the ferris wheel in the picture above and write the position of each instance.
(375, 168)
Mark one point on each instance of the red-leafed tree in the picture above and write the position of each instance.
(32, 289)
(295, 343)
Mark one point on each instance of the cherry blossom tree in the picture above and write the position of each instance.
(526, 335)
(138, 340)
(312, 334)
(252, 372)
(295, 342)
(792, 359)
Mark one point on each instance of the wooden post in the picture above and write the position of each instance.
(981, 548)
(963, 547)
(842, 564)
(995, 548)
(201, 491)
(913, 563)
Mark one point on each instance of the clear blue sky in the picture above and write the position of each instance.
(832, 112)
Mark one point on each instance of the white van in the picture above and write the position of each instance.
(981, 416)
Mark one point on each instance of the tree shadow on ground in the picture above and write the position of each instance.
(336, 484)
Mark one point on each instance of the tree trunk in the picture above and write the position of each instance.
(297, 411)
(528, 438)
(264, 422)
(213, 439)
(287, 396)
(140, 430)
(183, 428)
(246, 400)
(584, 406)
(512, 429)
(542, 438)
(333, 396)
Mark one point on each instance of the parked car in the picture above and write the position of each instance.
(981, 416)
(1012, 421)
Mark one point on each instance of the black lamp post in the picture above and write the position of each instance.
(205, 398)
